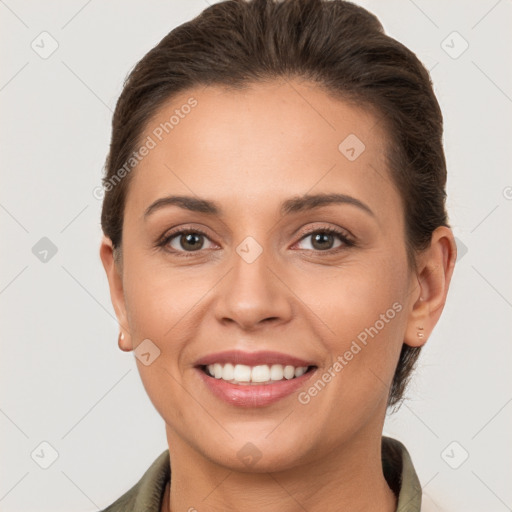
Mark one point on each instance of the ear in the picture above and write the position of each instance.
(435, 269)
(113, 270)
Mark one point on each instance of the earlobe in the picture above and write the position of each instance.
(115, 283)
(435, 269)
(418, 327)
(123, 343)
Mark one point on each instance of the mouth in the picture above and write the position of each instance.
(264, 374)
(253, 379)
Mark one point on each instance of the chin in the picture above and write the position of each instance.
(257, 454)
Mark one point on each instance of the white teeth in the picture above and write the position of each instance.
(289, 372)
(260, 373)
(276, 372)
(228, 372)
(300, 371)
(217, 371)
(243, 374)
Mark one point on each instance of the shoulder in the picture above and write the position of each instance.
(146, 495)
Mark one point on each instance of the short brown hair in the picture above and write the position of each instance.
(333, 43)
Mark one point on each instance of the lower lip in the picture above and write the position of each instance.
(253, 395)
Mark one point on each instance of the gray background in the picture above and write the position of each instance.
(64, 381)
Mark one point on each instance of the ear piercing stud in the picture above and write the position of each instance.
(421, 335)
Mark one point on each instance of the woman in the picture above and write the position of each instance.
(246, 140)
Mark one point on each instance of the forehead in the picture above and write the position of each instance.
(270, 139)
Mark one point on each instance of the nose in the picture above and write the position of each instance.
(254, 294)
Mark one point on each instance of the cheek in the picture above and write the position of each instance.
(363, 308)
(160, 299)
(161, 307)
(365, 315)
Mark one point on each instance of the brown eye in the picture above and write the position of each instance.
(186, 241)
(191, 241)
(323, 240)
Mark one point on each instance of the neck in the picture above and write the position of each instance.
(348, 479)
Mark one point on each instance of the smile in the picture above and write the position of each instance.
(261, 374)
(253, 379)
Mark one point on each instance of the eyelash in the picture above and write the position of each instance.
(347, 242)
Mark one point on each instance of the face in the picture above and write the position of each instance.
(252, 270)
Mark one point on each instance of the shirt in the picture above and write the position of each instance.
(147, 494)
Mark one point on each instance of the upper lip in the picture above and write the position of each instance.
(252, 358)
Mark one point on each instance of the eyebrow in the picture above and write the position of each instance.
(293, 205)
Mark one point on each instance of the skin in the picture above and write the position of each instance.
(249, 151)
